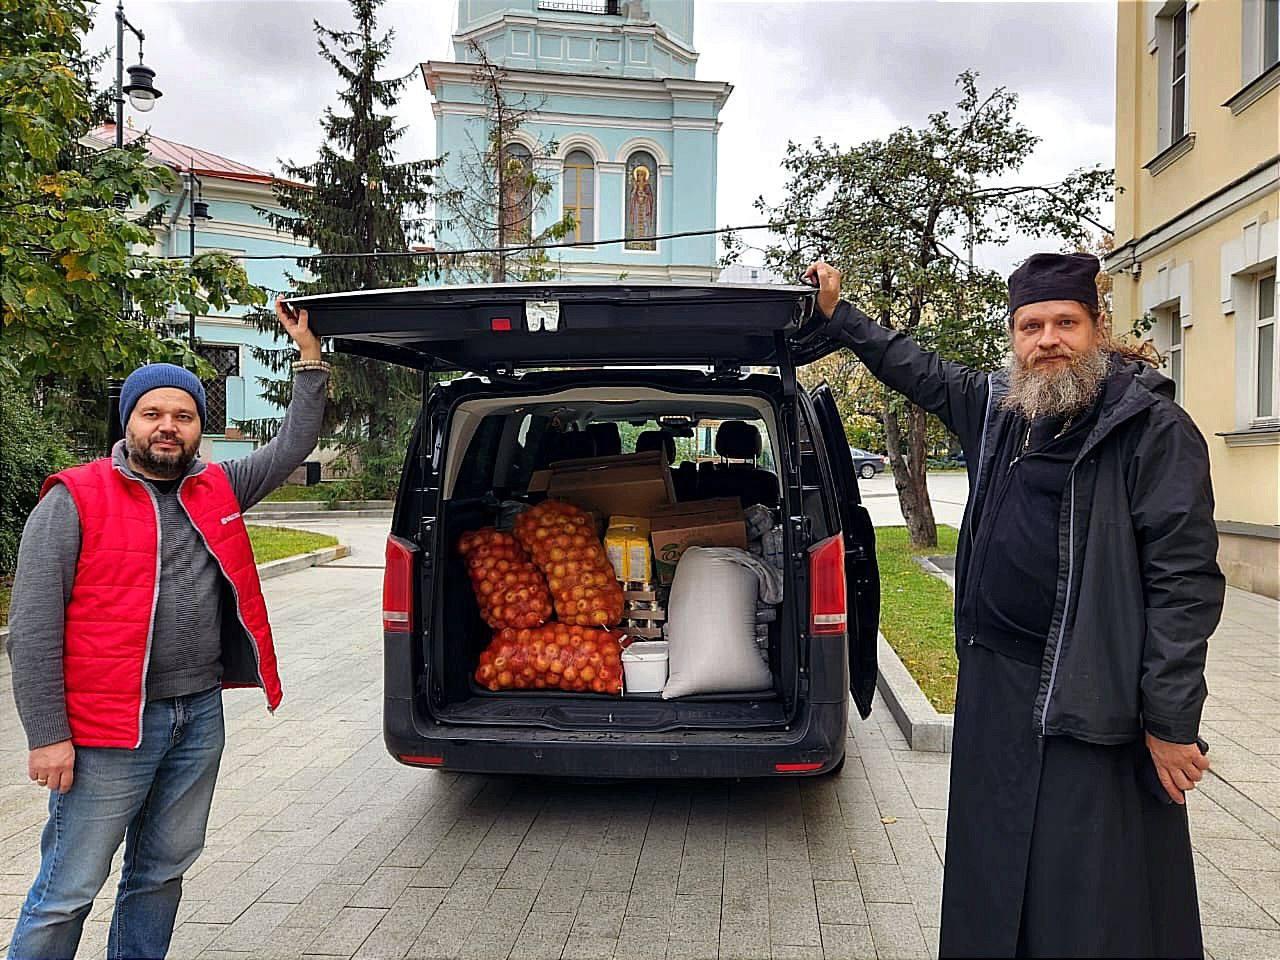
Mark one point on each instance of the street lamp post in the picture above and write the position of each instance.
(141, 88)
(197, 209)
(143, 95)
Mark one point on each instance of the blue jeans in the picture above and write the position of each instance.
(156, 800)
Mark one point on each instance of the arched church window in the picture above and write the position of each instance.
(642, 201)
(579, 194)
(516, 203)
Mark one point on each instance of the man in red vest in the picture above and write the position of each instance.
(136, 600)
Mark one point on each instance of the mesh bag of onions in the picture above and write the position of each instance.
(558, 656)
(563, 542)
(510, 590)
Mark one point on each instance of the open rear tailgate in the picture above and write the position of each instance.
(495, 326)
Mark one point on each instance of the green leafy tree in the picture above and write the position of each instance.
(497, 191)
(355, 199)
(69, 247)
(32, 450)
(895, 215)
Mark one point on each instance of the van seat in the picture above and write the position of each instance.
(737, 440)
(608, 439)
(571, 445)
(685, 480)
(657, 440)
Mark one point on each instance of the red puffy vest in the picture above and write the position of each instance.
(107, 637)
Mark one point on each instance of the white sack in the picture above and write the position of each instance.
(711, 622)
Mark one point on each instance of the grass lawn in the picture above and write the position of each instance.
(5, 585)
(916, 613)
(293, 492)
(276, 543)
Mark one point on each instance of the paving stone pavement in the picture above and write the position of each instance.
(321, 846)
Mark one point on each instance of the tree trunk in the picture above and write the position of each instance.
(905, 441)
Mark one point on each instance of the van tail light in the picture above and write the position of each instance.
(415, 760)
(397, 586)
(798, 767)
(828, 610)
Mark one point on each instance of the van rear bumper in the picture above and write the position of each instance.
(814, 745)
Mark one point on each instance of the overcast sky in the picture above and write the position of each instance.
(242, 77)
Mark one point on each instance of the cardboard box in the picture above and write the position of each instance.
(697, 523)
(634, 484)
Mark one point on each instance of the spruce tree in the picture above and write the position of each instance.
(356, 199)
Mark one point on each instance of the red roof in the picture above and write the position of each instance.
(183, 158)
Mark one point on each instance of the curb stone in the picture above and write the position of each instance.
(931, 568)
(319, 506)
(923, 726)
(266, 571)
(266, 516)
(278, 568)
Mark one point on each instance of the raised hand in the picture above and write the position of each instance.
(295, 324)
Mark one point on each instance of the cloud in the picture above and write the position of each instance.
(242, 77)
(855, 71)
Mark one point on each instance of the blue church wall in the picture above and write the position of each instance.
(567, 37)
(607, 83)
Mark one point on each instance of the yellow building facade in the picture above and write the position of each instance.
(1197, 230)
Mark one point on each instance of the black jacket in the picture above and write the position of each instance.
(1139, 589)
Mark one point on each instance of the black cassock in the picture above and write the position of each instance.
(1056, 847)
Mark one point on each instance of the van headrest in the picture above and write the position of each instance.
(575, 445)
(608, 439)
(738, 440)
(657, 440)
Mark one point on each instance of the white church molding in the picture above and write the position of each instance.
(1168, 286)
(1245, 253)
(643, 143)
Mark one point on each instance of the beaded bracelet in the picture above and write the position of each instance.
(310, 365)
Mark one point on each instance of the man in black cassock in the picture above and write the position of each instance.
(1086, 590)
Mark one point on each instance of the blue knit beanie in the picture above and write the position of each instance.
(152, 377)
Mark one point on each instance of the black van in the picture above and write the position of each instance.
(542, 372)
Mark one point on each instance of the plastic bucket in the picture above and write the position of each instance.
(644, 666)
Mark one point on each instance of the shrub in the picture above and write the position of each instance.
(32, 446)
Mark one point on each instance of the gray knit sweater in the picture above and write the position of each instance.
(186, 642)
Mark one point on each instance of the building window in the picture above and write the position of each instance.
(642, 201)
(579, 194)
(1270, 34)
(1178, 80)
(226, 361)
(1173, 361)
(1259, 53)
(516, 204)
(1266, 350)
(1261, 49)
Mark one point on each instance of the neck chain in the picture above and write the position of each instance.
(1026, 440)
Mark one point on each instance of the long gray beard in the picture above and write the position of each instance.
(1063, 392)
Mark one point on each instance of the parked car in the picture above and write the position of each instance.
(868, 464)
(548, 370)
